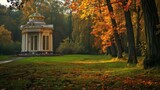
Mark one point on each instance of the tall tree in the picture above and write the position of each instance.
(70, 27)
(132, 58)
(138, 31)
(59, 19)
(81, 34)
(115, 32)
(137, 16)
(151, 19)
(5, 38)
(5, 35)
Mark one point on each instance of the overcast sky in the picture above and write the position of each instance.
(4, 2)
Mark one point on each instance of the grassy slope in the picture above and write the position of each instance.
(75, 72)
(5, 57)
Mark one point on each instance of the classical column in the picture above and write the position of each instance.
(51, 40)
(45, 37)
(39, 42)
(43, 42)
(29, 43)
(26, 41)
(33, 43)
(49, 43)
(22, 42)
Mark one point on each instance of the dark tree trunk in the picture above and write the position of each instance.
(70, 26)
(138, 34)
(124, 42)
(109, 50)
(116, 35)
(113, 50)
(151, 20)
(132, 58)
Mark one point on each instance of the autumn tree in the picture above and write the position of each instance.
(102, 27)
(115, 32)
(5, 37)
(151, 19)
(138, 28)
(132, 58)
(137, 21)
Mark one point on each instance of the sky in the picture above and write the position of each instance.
(4, 2)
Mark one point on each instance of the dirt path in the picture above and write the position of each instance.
(11, 60)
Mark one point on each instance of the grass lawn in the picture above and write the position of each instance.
(6, 57)
(76, 72)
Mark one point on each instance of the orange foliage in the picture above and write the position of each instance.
(126, 7)
(97, 11)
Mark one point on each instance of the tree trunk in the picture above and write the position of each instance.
(138, 34)
(132, 58)
(70, 26)
(113, 49)
(151, 20)
(125, 41)
(109, 50)
(116, 35)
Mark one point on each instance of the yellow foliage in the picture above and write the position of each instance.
(5, 35)
(97, 10)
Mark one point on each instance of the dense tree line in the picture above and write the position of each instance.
(9, 31)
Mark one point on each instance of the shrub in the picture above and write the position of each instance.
(70, 47)
(10, 48)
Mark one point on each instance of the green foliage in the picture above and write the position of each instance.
(11, 48)
(81, 41)
(55, 14)
(11, 20)
(81, 33)
(70, 47)
(7, 46)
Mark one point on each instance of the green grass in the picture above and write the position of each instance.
(66, 58)
(6, 57)
(75, 72)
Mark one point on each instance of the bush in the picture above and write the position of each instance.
(10, 48)
(70, 47)
(143, 48)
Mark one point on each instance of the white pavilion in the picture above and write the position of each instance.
(37, 35)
